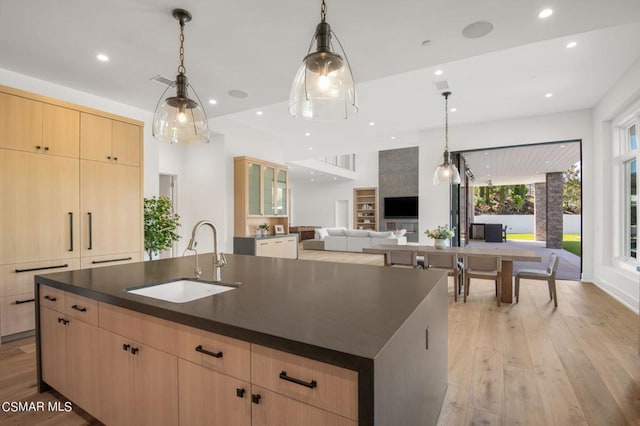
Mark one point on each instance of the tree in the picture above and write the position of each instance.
(160, 225)
(571, 196)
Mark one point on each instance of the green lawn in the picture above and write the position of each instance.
(570, 242)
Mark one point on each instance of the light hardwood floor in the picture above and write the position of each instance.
(520, 364)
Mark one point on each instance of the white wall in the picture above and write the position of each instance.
(610, 273)
(525, 224)
(313, 203)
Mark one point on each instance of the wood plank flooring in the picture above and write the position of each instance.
(520, 364)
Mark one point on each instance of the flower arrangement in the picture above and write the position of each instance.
(442, 232)
(263, 226)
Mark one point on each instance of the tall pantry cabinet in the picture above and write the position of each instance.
(70, 195)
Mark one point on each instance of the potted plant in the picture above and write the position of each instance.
(441, 235)
(263, 229)
(160, 225)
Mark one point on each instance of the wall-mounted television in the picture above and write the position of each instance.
(401, 207)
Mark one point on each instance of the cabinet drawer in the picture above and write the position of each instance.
(109, 260)
(219, 353)
(82, 308)
(316, 383)
(17, 314)
(17, 278)
(151, 331)
(52, 298)
(277, 410)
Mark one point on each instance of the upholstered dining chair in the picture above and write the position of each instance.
(446, 262)
(401, 258)
(484, 268)
(548, 275)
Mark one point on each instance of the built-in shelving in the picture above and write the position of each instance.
(365, 208)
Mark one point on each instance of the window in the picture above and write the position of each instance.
(631, 220)
(628, 162)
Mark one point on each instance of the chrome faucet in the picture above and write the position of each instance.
(219, 260)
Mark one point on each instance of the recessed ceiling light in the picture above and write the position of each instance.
(213, 101)
(563, 146)
(477, 29)
(426, 43)
(307, 134)
(545, 13)
(311, 172)
(259, 113)
(312, 180)
(310, 148)
(439, 72)
(546, 162)
(371, 123)
(548, 95)
(335, 178)
(102, 57)
(487, 166)
(571, 44)
(393, 137)
(453, 109)
(235, 93)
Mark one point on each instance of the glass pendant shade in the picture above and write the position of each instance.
(446, 172)
(323, 88)
(180, 118)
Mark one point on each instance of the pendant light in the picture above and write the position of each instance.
(180, 118)
(323, 88)
(446, 172)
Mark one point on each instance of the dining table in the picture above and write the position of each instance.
(508, 256)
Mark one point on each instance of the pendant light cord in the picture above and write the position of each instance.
(181, 68)
(323, 11)
(446, 122)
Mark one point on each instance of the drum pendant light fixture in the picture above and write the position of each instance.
(180, 118)
(323, 88)
(446, 172)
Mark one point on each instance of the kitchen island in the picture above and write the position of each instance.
(321, 342)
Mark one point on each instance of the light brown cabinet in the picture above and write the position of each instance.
(261, 195)
(365, 208)
(70, 351)
(42, 182)
(110, 141)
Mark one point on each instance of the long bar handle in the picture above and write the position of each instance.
(312, 384)
(70, 231)
(206, 352)
(111, 260)
(42, 268)
(19, 302)
(90, 231)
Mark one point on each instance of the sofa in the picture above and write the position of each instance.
(354, 240)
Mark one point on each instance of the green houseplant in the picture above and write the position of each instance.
(160, 225)
(441, 235)
(263, 229)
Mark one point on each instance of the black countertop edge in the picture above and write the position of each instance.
(340, 359)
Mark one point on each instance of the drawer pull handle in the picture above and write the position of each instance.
(50, 298)
(240, 392)
(206, 352)
(20, 302)
(79, 308)
(278, 242)
(42, 268)
(134, 350)
(111, 260)
(255, 398)
(125, 346)
(310, 385)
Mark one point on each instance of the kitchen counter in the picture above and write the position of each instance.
(342, 314)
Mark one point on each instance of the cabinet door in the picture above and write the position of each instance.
(266, 248)
(117, 396)
(60, 131)
(39, 199)
(83, 359)
(111, 208)
(20, 123)
(210, 398)
(156, 386)
(53, 349)
(268, 182)
(253, 188)
(281, 193)
(95, 137)
(126, 144)
(272, 409)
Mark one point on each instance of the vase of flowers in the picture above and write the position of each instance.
(440, 235)
(263, 230)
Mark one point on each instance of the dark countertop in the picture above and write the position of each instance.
(267, 237)
(339, 313)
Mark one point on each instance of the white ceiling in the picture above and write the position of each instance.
(256, 46)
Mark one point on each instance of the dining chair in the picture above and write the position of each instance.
(446, 262)
(401, 258)
(548, 275)
(484, 268)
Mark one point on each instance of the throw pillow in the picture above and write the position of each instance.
(388, 234)
(321, 233)
(401, 232)
(356, 233)
(336, 232)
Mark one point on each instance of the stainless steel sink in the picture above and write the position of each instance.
(181, 290)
